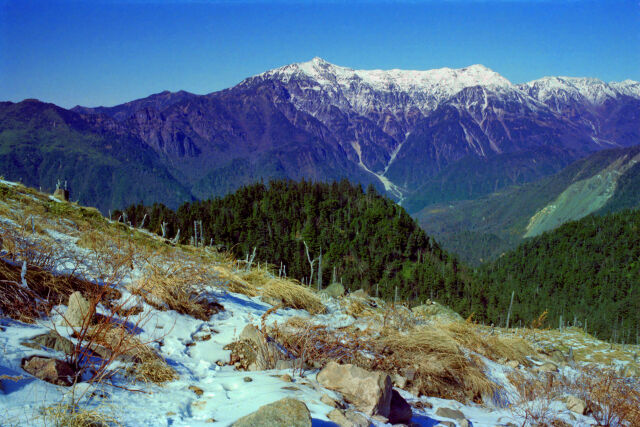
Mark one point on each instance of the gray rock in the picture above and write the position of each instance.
(78, 311)
(284, 412)
(454, 414)
(370, 392)
(51, 340)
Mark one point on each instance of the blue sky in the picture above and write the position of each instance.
(107, 52)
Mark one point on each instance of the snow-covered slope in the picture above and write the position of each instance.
(560, 92)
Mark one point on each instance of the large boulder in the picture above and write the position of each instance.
(50, 370)
(285, 412)
(370, 392)
(78, 311)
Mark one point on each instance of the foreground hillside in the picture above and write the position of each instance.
(482, 229)
(104, 324)
(359, 238)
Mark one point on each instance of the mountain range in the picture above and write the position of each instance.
(424, 137)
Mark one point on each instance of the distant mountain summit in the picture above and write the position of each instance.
(422, 136)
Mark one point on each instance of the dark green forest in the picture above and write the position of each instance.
(586, 272)
(364, 237)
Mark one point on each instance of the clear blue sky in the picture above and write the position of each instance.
(107, 52)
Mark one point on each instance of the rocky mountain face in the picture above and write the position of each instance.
(479, 230)
(423, 136)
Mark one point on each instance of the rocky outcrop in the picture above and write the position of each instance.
(285, 412)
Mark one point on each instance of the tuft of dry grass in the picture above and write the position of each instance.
(152, 369)
(177, 286)
(292, 295)
(442, 367)
(68, 415)
(493, 347)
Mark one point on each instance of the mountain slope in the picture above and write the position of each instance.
(567, 270)
(424, 137)
(107, 168)
(481, 229)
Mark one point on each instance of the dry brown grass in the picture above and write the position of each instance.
(493, 347)
(45, 290)
(68, 415)
(292, 295)
(178, 286)
(152, 369)
(438, 357)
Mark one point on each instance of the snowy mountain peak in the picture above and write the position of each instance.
(446, 80)
(580, 89)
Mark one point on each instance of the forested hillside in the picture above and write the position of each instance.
(586, 271)
(364, 237)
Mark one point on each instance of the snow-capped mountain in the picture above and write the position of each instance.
(432, 135)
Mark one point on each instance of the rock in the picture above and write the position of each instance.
(513, 364)
(400, 412)
(247, 379)
(327, 400)
(252, 334)
(254, 352)
(286, 378)
(78, 311)
(197, 390)
(575, 404)
(398, 381)
(370, 392)
(335, 290)
(348, 418)
(51, 340)
(380, 419)
(547, 367)
(454, 414)
(284, 412)
(50, 370)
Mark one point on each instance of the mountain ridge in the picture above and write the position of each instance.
(413, 134)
